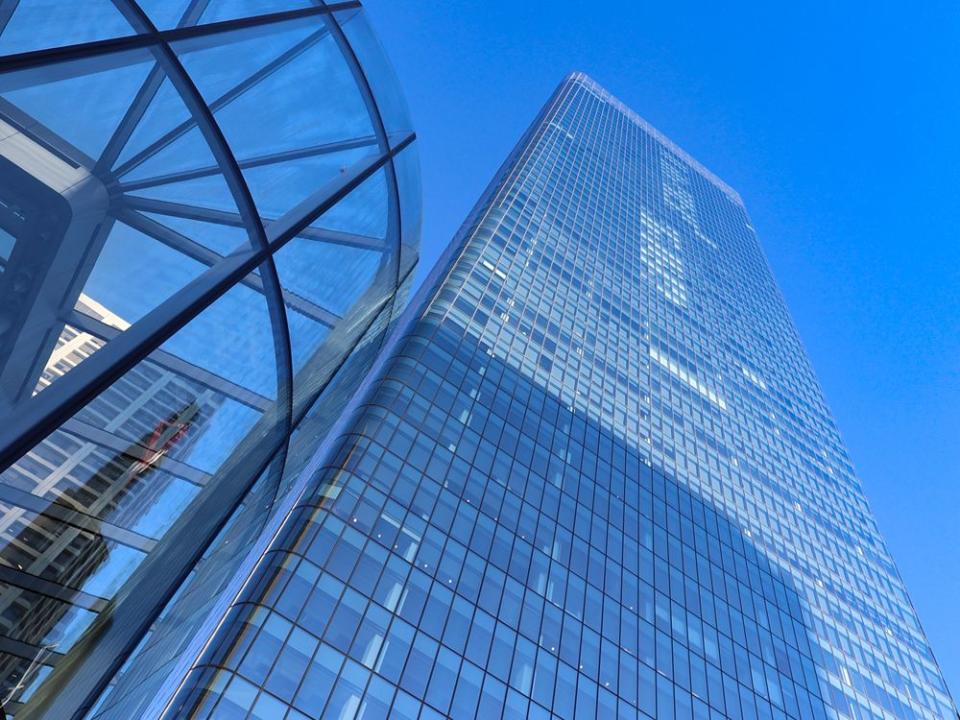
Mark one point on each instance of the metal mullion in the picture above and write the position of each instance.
(257, 161)
(169, 237)
(193, 13)
(220, 217)
(335, 237)
(188, 212)
(52, 589)
(106, 439)
(311, 151)
(81, 51)
(225, 99)
(310, 309)
(369, 97)
(75, 518)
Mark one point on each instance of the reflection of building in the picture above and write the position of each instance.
(594, 478)
(194, 253)
(74, 346)
(91, 485)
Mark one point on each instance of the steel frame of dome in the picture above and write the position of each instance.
(98, 655)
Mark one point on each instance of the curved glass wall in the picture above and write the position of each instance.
(207, 208)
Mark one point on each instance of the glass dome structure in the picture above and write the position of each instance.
(209, 211)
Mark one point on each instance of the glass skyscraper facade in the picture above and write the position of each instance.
(592, 475)
(209, 217)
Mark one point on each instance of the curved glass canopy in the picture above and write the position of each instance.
(206, 210)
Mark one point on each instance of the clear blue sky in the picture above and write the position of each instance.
(837, 122)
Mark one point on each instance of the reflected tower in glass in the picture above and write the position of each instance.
(209, 218)
(593, 476)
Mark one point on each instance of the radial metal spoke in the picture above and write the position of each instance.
(131, 119)
(256, 161)
(169, 237)
(220, 217)
(52, 589)
(76, 519)
(191, 16)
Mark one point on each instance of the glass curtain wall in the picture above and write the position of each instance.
(206, 209)
(596, 478)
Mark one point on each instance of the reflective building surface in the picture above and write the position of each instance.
(209, 216)
(593, 476)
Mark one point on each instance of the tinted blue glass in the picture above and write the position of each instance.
(39, 24)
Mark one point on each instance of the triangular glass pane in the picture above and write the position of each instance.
(84, 109)
(222, 239)
(188, 152)
(209, 192)
(165, 112)
(165, 14)
(39, 24)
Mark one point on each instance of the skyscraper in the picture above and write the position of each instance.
(593, 475)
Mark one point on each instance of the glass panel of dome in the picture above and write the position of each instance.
(390, 101)
(27, 25)
(295, 81)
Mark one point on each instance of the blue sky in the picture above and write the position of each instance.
(838, 124)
